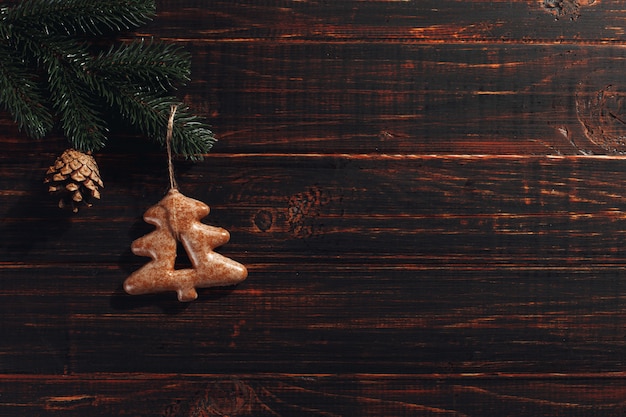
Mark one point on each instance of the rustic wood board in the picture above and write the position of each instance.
(310, 395)
(428, 196)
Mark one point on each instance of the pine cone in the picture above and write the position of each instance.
(76, 178)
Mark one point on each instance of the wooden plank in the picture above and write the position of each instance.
(381, 98)
(437, 321)
(433, 21)
(308, 395)
(434, 99)
(464, 209)
(404, 98)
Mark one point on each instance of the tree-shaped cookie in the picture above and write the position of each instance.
(177, 219)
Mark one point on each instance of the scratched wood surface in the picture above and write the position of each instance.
(428, 196)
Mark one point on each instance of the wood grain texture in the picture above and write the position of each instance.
(428, 196)
(309, 395)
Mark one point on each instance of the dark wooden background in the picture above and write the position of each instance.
(428, 196)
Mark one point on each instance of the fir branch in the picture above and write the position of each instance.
(38, 41)
(80, 118)
(64, 61)
(44, 50)
(153, 64)
(77, 17)
(149, 113)
(21, 96)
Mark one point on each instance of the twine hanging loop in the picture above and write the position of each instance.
(168, 144)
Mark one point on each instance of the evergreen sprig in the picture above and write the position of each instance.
(22, 96)
(51, 72)
(73, 17)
